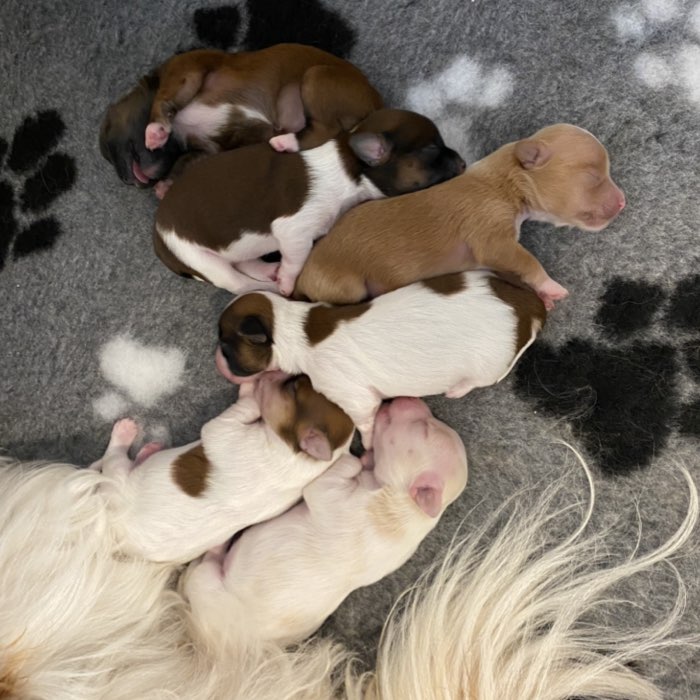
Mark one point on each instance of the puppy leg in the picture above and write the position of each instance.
(221, 273)
(116, 458)
(362, 410)
(259, 269)
(335, 98)
(514, 259)
(175, 92)
(295, 246)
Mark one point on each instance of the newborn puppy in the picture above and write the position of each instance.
(282, 578)
(231, 208)
(448, 335)
(215, 100)
(250, 464)
(561, 175)
(122, 142)
(210, 100)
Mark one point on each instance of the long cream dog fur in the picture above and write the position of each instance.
(497, 618)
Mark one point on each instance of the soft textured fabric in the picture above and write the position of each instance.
(95, 327)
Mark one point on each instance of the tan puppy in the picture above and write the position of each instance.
(560, 175)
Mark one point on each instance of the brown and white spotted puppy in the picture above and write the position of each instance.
(211, 100)
(449, 334)
(560, 175)
(227, 210)
(250, 464)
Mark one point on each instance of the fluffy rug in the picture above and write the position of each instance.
(95, 327)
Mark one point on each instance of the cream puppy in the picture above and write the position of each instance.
(281, 579)
(250, 464)
(448, 335)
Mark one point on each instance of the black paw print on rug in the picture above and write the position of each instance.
(273, 22)
(31, 177)
(624, 396)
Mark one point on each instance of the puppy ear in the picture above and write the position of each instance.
(426, 490)
(253, 330)
(532, 154)
(373, 149)
(316, 444)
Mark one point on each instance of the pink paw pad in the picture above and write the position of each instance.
(124, 432)
(285, 143)
(156, 135)
(550, 292)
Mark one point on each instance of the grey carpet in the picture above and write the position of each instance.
(616, 371)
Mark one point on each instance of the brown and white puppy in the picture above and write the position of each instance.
(354, 527)
(250, 464)
(448, 335)
(210, 100)
(560, 175)
(228, 209)
(215, 100)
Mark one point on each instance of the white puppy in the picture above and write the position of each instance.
(251, 464)
(281, 579)
(448, 335)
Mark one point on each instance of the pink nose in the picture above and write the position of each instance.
(407, 406)
(621, 201)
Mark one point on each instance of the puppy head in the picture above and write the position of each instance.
(246, 329)
(402, 151)
(566, 172)
(306, 420)
(122, 135)
(416, 453)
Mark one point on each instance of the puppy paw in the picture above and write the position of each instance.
(156, 135)
(161, 188)
(285, 283)
(285, 143)
(550, 292)
(124, 433)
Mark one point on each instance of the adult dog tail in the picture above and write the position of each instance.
(520, 618)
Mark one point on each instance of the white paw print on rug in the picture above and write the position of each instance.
(453, 96)
(141, 374)
(676, 65)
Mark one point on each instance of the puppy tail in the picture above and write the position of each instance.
(520, 618)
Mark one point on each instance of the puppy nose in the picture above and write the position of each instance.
(461, 166)
(621, 201)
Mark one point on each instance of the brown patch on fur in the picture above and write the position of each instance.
(321, 321)
(248, 356)
(385, 241)
(169, 260)
(528, 308)
(209, 203)
(190, 471)
(446, 284)
(300, 408)
(388, 512)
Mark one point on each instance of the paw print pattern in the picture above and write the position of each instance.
(31, 178)
(624, 396)
(267, 22)
(662, 63)
(454, 96)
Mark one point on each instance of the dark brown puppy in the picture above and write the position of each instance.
(212, 100)
(122, 142)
